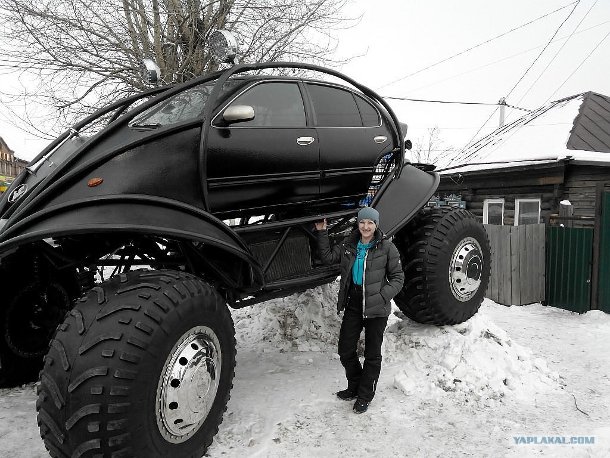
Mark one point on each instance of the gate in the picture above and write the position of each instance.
(569, 256)
(571, 263)
(604, 256)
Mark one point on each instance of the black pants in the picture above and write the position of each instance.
(363, 380)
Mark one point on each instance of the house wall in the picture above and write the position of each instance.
(580, 188)
(548, 196)
(10, 165)
(543, 181)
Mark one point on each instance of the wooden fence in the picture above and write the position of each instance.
(517, 264)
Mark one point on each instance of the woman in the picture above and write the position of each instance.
(371, 275)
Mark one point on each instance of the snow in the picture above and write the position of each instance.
(537, 137)
(469, 389)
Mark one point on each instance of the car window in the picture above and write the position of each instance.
(275, 105)
(183, 106)
(334, 107)
(370, 116)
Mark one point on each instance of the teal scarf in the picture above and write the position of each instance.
(358, 269)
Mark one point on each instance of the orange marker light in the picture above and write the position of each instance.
(93, 182)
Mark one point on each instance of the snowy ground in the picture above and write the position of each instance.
(466, 390)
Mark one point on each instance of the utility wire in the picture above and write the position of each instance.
(543, 49)
(463, 150)
(557, 53)
(453, 102)
(436, 101)
(477, 45)
(462, 154)
(577, 68)
(503, 59)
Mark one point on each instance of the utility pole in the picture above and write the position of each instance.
(502, 103)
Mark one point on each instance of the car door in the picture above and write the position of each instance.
(352, 139)
(268, 161)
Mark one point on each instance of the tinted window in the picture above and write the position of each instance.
(275, 105)
(334, 107)
(183, 106)
(370, 116)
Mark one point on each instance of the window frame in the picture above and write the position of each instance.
(528, 199)
(486, 203)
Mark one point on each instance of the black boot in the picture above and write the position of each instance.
(347, 394)
(361, 406)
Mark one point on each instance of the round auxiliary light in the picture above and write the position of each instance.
(223, 46)
(150, 71)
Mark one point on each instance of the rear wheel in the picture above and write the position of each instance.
(446, 260)
(28, 320)
(142, 366)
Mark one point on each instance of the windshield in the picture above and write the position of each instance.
(185, 106)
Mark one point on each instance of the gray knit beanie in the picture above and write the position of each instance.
(369, 213)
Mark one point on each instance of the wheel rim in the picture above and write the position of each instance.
(188, 384)
(465, 269)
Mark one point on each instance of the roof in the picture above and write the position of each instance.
(591, 130)
(5, 147)
(576, 127)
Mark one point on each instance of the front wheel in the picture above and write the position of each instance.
(446, 259)
(142, 366)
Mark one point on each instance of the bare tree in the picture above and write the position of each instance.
(431, 148)
(76, 53)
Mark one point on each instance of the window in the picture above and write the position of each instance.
(275, 105)
(527, 211)
(334, 107)
(493, 211)
(368, 113)
(184, 106)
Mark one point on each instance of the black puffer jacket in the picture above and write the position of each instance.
(383, 275)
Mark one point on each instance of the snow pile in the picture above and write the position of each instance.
(306, 321)
(475, 359)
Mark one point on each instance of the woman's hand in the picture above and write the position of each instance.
(320, 225)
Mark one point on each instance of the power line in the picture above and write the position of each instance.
(504, 59)
(579, 65)
(463, 150)
(436, 101)
(462, 154)
(557, 53)
(514, 126)
(453, 102)
(478, 45)
(543, 49)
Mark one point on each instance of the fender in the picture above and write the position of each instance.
(403, 196)
(134, 214)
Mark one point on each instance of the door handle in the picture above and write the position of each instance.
(304, 141)
(380, 139)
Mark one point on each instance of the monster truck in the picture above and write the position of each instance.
(124, 242)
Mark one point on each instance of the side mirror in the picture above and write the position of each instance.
(408, 144)
(238, 113)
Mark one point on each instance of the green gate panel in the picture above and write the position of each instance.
(603, 298)
(569, 255)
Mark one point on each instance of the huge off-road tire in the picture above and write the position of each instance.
(142, 366)
(446, 260)
(29, 315)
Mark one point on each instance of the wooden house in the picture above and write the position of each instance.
(551, 167)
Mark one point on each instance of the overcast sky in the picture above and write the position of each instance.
(396, 40)
(400, 38)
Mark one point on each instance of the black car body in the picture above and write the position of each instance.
(213, 187)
